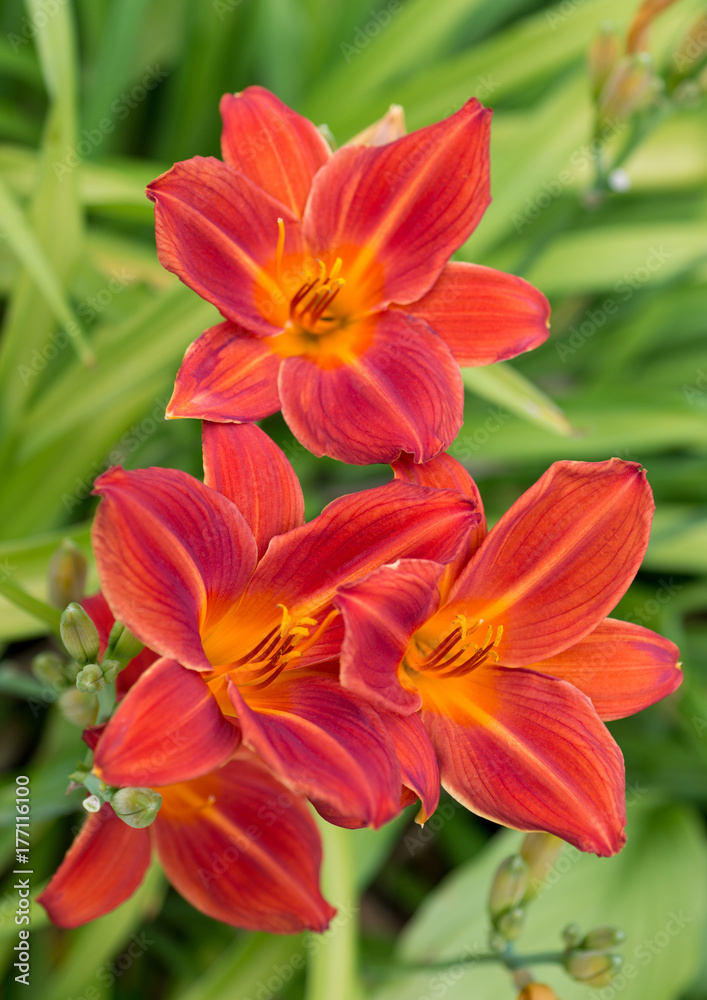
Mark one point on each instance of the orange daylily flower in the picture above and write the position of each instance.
(332, 274)
(508, 656)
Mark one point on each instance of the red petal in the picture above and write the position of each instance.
(622, 667)
(484, 315)
(351, 537)
(418, 762)
(403, 393)
(218, 231)
(324, 743)
(172, 556)
(559, 560)
(239, 456)
(227, 375)
(528, 751)
(445, 473)
(102, 868)
(276, 148)
(168, 728)
(381, 614)
(406, 206)
(242, 849)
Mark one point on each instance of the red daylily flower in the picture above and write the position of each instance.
(508, 656)
(332, 274)
(231, 589)
(235, 843)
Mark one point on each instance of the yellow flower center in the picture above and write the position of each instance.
(462, 649)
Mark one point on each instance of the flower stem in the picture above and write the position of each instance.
(14, 593)
(507, 958)
(331, 969)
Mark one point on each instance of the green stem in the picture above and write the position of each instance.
(106, 703)
(332, 968)
(510, 960)
(22, 599)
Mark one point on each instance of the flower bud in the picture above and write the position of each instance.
(67, 574)
(79, 634)
(593, 968)
(510, 923)
(78, 707)
(509, 886)
(692, 50)
(537, 991)
(603, 56)
(629, 88)
(138, 807)
(388, 128)
(90, 679)
(111, 669)
(47, 667)
(122, 644)
(603, 939)
(540, 851)
(572, 935)
(92, 804)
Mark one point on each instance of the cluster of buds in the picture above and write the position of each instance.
(137, 807)
(517, 882)
(592, 959)
(80, 637)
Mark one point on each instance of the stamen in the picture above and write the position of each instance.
(446, 661)
(281, 645)
(280, 247)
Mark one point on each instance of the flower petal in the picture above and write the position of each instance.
(325, 743)
(622, 667)
(218, 231)
(239, 456)
(381, 614)
(242, 849)
(103, 867)
(351, 537)
(559, 560)
(276, 148)
(227, 375)
(406, 206)
(172, 556)
(528, 751)
(484, 315)
(418, 762)
(403, 393)
(167, 728)
(445, 473)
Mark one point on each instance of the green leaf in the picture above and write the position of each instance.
(502, 384)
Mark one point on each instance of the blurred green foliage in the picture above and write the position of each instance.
(99, 96)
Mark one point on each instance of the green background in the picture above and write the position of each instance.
(623, 374)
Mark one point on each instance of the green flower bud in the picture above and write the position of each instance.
(90, 679)
(603, 939)
(47, 667)
(138, 807)
(122, 644)
(572, 935)
(604, 53)
(78, 707)
(67, 574)
(593, 968)
(510, 923)
(111, 669)
(79, 634)
(509, 885)
(92, 804)
(629, 88)
(540, 851)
